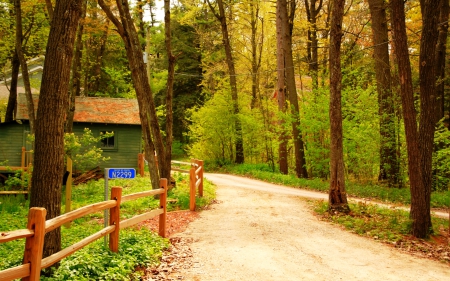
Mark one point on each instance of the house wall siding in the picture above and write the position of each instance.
(11, 143)
(127, 140)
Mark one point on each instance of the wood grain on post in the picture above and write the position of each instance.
(114, 219)
(192, 189)
(34, 245)
(141, 164)
(163, 205)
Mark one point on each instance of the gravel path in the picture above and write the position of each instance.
(260, 231)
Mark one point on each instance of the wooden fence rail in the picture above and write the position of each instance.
(25, 167)
(195, 175)
(37, 227)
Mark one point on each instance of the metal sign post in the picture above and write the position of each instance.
(115, 173)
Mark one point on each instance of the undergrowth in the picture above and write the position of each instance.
(137, 248)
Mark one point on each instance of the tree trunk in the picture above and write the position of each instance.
(427, 75)
(169, 95)
(281, 94)
(419, 143)
(256, 62)
(286, 30)
(312, 45)
(389, 166)
(75, 84)
(337, 193)
(53, 102)
(11, 108)
(239, 144)
(441, 50)
(24, 67)
(147, 110)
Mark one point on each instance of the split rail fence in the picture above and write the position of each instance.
(195, 175)
(37, 227)
(25, 167)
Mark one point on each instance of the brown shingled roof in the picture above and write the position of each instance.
(93, 110)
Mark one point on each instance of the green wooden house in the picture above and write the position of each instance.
(100, 115)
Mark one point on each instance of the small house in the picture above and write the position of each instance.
(100, 115)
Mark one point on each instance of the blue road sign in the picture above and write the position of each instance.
(121, 173)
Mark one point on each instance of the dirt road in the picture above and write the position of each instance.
(270, 234)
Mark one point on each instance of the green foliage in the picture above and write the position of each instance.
(441, 158)
(315, 127)
(119, 85)
(137, 248)
(18, 181)
(213, 140)
(83, 149)
(181, 193)
(3, 105)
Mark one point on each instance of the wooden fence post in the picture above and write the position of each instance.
(141, 164)
(34, 245)
(163, 205)
(200, 176)
(114, 218)
(192, 188)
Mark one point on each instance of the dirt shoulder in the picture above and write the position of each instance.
(259, 231)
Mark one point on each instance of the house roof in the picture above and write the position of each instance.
(93, 110)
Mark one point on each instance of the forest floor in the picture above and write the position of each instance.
(261, 231)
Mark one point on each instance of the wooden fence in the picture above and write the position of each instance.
(37, 227)
(25, 167)
(195, 178)
(195, 175)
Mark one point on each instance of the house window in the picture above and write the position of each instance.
(108, 140)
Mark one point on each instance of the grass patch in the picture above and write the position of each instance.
(391, 226)
(137, 248)
(368, 191)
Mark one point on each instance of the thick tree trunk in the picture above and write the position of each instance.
(75, 84)
(239, 143)
(147, 110)
(441, 50)
(11, 108)
(24, 67)
(281, 93)
(427, 74)
(389, 166)
(337, 193)
(419, 143)
(53, 102)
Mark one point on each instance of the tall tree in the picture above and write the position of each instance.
(220, 15)
(337, 194)
(313, 8)
(53, 102)
(24, 66)
(441, 51)
(281, 89)
(285, 21)
(147, 110)
(419, 142)
(12, 99)
(75, 82)
(389, 166)
(170, 79)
